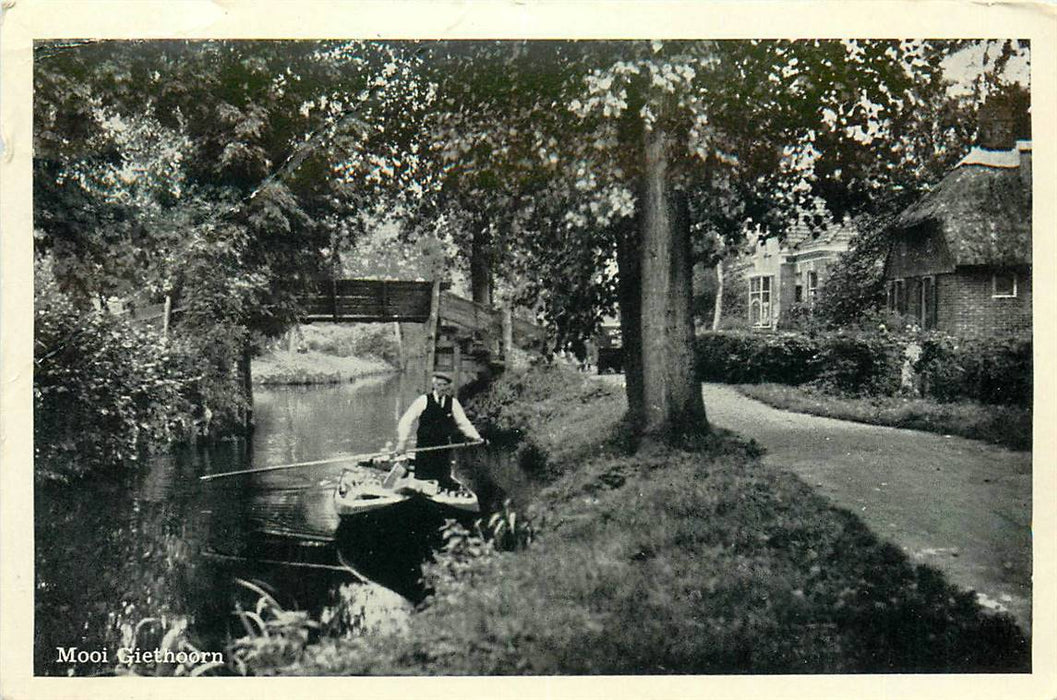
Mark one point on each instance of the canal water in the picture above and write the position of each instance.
(119, 564)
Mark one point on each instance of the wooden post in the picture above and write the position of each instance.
(247, 385)
(456, 367)
(399, 337)
(431, 331)
(165, 316)
(334, 299)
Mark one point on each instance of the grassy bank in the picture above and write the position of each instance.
(688, 560)
(313, 367)
(1008, 426)
(327, 353)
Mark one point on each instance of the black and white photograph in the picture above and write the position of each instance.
(466, 354)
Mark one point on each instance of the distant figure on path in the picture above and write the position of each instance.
(440, 417)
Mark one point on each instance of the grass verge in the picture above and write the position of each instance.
(1008, 426)
(695, 559)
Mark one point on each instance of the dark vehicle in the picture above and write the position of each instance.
(610, 350)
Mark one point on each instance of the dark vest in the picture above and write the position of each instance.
(436, 426)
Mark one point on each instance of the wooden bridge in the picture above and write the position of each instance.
(462, 336)
(367, 301)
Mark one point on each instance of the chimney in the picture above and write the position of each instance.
(995, 131)
(1024, 150)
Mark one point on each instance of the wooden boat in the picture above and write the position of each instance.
(391, 522)
(369, 487)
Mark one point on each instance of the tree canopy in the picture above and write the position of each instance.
(581, 175)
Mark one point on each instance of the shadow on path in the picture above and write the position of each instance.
(961, 506)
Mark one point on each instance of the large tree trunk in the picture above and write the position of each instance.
(629, 290)
(671, 392)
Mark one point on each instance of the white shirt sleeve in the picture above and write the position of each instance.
(407, 421)
(464, 424)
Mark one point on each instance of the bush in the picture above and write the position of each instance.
(750, 358)
(988, 370)
(104, 392)
(993, 371)
(799, 317)
(217, 393)
(859, 365)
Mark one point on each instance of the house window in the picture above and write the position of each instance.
(897, 298)
(928, 303)
(913, 298)
(760, 300)
(1004, 284)
(799, 293)
(812, 286)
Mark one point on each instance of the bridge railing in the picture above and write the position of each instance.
(368, 300)
(471, 315)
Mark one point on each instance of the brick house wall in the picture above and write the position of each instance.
(966, 305)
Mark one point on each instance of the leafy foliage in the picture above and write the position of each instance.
(859, 364)
(104, 392)
(746, 357)
(987, 370)
(153, 158)
(992, 371)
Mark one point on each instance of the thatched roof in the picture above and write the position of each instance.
(982, 208)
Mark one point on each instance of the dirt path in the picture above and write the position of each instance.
(959, 505)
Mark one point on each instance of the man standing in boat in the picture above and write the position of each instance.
(440, 419)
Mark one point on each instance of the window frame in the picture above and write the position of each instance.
(758, 295)
(994, 285)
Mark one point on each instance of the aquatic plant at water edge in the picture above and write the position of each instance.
(169, 651)
(274, 637)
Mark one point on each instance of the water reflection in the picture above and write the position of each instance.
(166, 545)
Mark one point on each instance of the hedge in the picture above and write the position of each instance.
(995, 371)
(988, 370)
(738, 357)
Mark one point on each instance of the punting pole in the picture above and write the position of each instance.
(340, 458)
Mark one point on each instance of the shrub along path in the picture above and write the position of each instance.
(959, 505)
